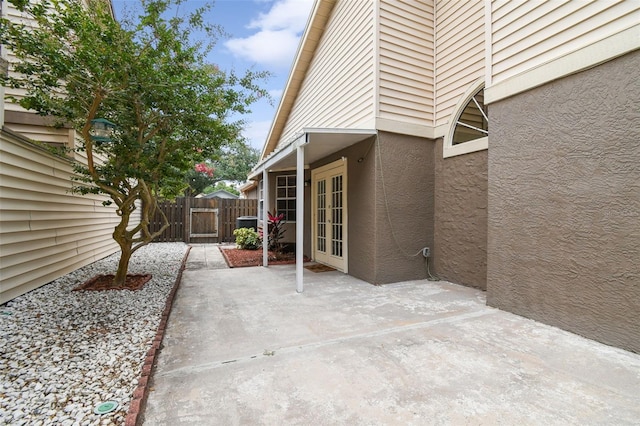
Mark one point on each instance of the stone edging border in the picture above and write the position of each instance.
(226, 259)
(141, 393)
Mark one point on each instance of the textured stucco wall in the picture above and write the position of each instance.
(460, 249)
(404, 206)
(360, 206)
(564, 203)
(390, 206)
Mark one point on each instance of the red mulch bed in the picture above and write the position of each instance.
(237, 258)
(104, 282)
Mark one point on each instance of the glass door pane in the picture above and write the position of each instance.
(321, 226)
(336, 215)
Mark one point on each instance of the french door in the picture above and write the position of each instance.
(329, 208)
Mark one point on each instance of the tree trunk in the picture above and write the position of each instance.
(123, 266)
(125, 242)
(127, 239)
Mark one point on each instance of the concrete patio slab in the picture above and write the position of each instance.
(242, 347)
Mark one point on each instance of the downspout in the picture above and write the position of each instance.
(300, 212)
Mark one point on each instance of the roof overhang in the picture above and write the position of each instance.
(318, 142)
(247, 186)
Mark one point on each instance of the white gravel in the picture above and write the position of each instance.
(62, 352)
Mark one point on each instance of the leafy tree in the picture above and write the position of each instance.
(222, 186)
(233, 162)
(171, 106)
(199, 178)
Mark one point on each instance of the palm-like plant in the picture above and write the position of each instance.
(276, 231)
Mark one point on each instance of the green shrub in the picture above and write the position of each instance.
(247, 239)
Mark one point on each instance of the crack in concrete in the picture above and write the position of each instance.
(310, 346)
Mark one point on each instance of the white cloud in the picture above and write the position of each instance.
(256, 132)
(272, 48)
(278, 33)
(288, 15)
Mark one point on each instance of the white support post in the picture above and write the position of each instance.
(299, 218)
(265, 218)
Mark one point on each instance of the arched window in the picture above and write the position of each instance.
(469, 130)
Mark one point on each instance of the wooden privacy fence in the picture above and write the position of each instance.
(201, 220)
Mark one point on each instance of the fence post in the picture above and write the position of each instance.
(180, 213)
(186, 214)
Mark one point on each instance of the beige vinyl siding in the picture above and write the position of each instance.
(406, 61)
(459, 52)
(338, 88)
(18, 94)
(10, 12)
(56, 137)
(528, 34)
(49, 135)
(45, 229)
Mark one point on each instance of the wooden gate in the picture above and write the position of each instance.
(201, 220)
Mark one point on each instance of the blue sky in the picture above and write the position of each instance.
(264, 36)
